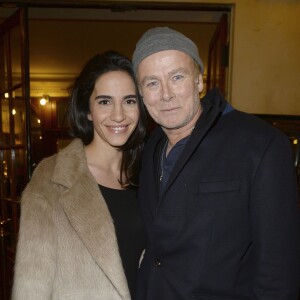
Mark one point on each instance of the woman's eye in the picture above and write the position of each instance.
(130, 101)
(103, 102)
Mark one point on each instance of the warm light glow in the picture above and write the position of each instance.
(40, 137)
(43, 101)
(39, 121)
(6, 95)
(5, 168)
(295, 141)
(13, 111)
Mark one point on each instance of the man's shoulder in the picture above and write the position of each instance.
(246, 121)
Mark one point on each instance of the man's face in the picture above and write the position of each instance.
(170, 86)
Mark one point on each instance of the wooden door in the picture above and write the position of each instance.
(14, 137)
(218, 57)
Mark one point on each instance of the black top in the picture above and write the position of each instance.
(124, 209)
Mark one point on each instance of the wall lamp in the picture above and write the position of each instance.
(44, 100)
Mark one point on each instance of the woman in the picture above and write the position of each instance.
(80, 233)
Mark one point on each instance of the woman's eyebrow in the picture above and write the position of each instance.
(103, 97)
(130, 96)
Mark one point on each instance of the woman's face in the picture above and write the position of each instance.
(113, 108)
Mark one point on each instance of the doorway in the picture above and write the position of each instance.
(61, 40)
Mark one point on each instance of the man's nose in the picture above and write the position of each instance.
(167, 93)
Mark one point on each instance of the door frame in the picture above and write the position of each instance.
(16, 152)
(124, 6)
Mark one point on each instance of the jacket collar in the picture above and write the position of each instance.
(88, 214)
(213, 105)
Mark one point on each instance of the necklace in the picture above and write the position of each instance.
(162, 161)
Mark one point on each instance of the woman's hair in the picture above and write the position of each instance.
(79, 108)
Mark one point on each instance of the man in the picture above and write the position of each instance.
(217, 188)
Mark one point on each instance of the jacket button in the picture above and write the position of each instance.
(158, 263)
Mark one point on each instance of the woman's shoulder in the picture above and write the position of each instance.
(57, 167)
(41, 177)
(46, 167)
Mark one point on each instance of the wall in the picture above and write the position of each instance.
(58, 58)
(266, 63)
(265, 55)
(265, 49)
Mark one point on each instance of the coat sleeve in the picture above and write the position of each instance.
(35, 258)
(275, 225)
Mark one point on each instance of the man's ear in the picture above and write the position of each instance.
(200, 83)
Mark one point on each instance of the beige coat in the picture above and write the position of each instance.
(67, 246)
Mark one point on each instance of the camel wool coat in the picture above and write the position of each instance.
(67, 247)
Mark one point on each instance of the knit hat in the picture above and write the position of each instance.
(163, 38)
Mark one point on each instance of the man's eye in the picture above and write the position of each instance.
(152, 84)
(177, 77)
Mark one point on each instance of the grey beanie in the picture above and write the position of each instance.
(163, 38)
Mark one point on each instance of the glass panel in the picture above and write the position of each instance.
(16, 55)
(7, 62)
(36, 132)
(5, 169)
(19, 170)
(11, 211)
(5, 122)
(61, 110)
(9, 227)
(19, 116)
(3, 68)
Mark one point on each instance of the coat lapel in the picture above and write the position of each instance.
(151, 178)
(212, 106)
(89, 216)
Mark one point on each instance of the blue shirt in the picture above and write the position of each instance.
(167, 163)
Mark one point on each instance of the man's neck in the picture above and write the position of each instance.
(175, 135)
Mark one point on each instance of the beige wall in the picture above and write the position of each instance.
(265, 55)
(66, 52)
(265, 52)
(55, 57)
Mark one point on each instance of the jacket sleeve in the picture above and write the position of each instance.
(35, 258)
(275, 225)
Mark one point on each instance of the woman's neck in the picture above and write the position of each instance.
(104, 162)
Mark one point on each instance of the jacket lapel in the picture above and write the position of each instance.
(88, 214)
(212, 106)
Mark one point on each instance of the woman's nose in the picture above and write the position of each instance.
(117, 114)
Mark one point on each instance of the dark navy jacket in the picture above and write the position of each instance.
(226, 226)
